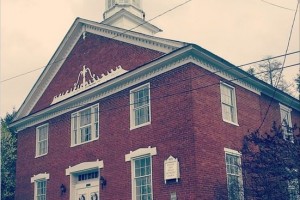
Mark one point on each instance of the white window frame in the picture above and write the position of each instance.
(38, 141)
(234, 116)
(293, 186)
(132, 157)
(283, 111)
(132, 109)
(237, 154)
(75, 123)
(36, 179)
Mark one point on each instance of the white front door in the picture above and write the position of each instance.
(89, 190)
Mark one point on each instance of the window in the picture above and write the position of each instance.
(228, 99)
(40, 186)
(85, 125)
(142, 178)
(41, 140)
(234, 175)
(293, 189)
(286, 121)
(141, 166)
(140, 113)
(41, 189)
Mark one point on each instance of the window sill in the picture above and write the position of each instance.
(233, 123)
(38, 156)
(75, 145)
(139, 126)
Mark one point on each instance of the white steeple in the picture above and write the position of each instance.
(127, 14)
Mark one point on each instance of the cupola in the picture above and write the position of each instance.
(129, 15)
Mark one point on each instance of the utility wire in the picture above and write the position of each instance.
(277, 5)
(291, 53)
(275, 88)
(169, 95)
(118, 35)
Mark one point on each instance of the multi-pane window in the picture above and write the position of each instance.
(286, 121)
(41, 186)
(234, 176)
(293, 189)
(85, 125)
(42, 140)
(140, 106)
(228, 99)
(142, 178)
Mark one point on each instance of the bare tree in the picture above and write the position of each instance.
(270, 71)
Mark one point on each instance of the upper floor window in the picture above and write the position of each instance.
(85, 125)
(40, 186)
(286, 120)
(41, 140)
(234, 174)
(228, 99)
(140, 111)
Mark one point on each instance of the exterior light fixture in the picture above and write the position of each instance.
(63, 189)
(102, 182)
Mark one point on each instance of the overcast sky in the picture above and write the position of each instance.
(240, 31)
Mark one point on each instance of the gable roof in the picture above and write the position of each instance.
(78, 29)
(176, 54)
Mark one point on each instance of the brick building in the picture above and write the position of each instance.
(126, 115)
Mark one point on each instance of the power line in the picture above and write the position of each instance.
(173, 94)
(275, 88)
(277, 5)
(118, 35)
(291, 53)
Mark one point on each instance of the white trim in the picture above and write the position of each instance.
(84, 167)
(235, 116)
(240, 173)
(120, 83)
(93, 131)
(132, 114)
(37, 142)
(140, 152)
(283, 107)
(232, 152)
(37, 177)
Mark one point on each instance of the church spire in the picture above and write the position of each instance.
(127, 14)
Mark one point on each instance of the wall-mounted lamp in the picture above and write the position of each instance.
(102, 182)
(63, 189)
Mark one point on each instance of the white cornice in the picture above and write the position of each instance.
(129, 79)
(166, 63)
(79, 27)
(98, 164)
(140, 152)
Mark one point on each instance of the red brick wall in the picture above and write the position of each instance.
(186, 123)
(98, 53)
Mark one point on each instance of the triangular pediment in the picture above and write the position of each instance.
(81, 31)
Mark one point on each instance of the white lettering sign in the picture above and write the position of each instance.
(171, 169)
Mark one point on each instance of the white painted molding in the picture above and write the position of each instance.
(40, 176)
(140, 152)
(125, 81)
(85, 166)
(285, 108)
(233, 152)
(87, 84)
